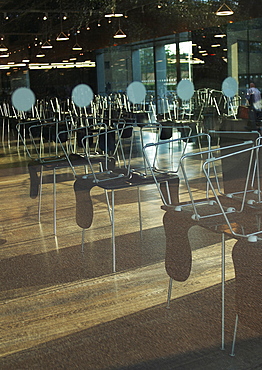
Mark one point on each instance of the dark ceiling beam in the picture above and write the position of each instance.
(55, 11)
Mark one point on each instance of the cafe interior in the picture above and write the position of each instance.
(130, 231)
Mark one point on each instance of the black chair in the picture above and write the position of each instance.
(216, 210)
(121, 177)
(41, 140)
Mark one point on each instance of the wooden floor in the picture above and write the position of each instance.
(62, 308)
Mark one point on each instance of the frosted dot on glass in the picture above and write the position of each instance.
(23, 99)
(82, 95)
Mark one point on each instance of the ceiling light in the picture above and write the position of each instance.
(114, 15)
(65, 17)
(224, 10)
(40, 55)
(119, 34)
(3, 47)
(85, 64)
(77, 47)
(45, 17)
(46, 45)
(220, 35)
(4, 55)
(215, 45)
(62, 37)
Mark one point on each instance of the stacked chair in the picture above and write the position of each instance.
(117, 143)
(40, 140)
(230, 180)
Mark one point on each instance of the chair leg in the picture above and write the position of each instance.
(54, 199)
(109, 207)
(3, 130)
(223, 292)
(234, 337)
(113, 231)
(139, 211)
(40, 194)
(169, 292)
(83, 240)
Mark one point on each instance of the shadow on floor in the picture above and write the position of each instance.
(70, 264)
(187, 336)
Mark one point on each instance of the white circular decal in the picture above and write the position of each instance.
(136, 92)
(229, 87)
(82, 95)
(23, 99)
(185, 89)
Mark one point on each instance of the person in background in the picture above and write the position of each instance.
(255, 105)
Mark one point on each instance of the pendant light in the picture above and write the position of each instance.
(40, 55)
(62, 36)
(113, 13)
(46, 45)
(120, 34)
(224, 10)
(3, 47)
(77, 46)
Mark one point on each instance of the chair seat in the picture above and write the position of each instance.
(121, 180)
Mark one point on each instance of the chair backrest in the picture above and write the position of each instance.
(164, 156)
(110, 143)
(229, 211)
(100, 146)
(39, 138)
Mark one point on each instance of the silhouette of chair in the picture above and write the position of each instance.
(248, 286)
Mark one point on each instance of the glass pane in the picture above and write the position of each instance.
(118, 69)
(185, 59)
(147, 69)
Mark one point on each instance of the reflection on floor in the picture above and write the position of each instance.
(61, 308)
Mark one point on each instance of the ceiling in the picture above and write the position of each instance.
(23, 28)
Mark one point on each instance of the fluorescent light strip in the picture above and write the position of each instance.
(50, 66)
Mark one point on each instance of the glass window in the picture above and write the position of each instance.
(185, 59)
(118, 69)
(147, 69)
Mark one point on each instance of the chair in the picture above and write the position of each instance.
(215, 211)
(244, 224)
(157, 132)
(120, 177)
(40, 139)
